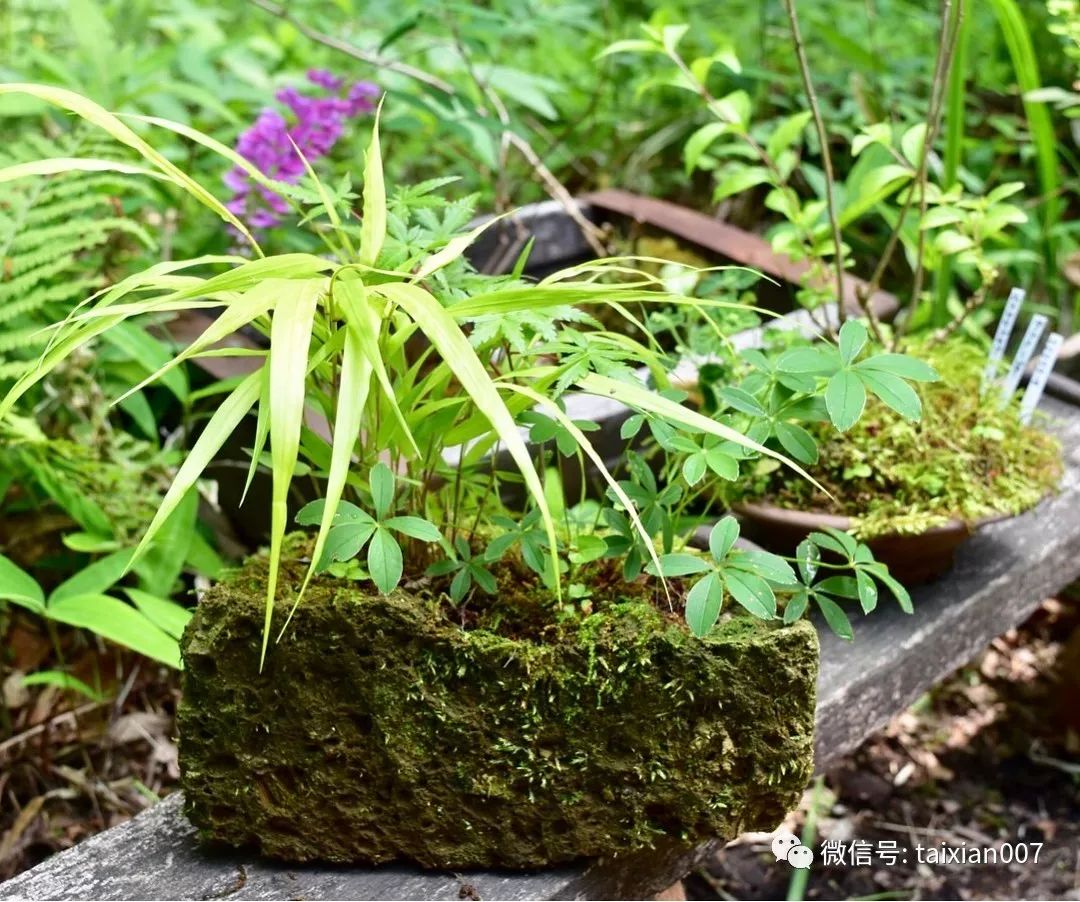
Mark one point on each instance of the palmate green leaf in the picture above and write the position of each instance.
(796, 606)
(290, 338)
(835, 617)
(20, 587)
(118, 622)
(752, 592)
(586, 446)
(381, 483)
(678, 564)
(797, 442)
(893, 391)
(845, 398)
(722, 537)
(765, 564)
(903, 365)
(808, 361)
(458, 354)
(651, 402)
(373, 224)
(853, 337)
(703, 603)
(103, 119)
(384, 560)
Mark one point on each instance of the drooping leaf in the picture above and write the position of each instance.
(845, 398)
(118, 622)
(384, 560)
(722, 538)
(20, 587)
(703, 603)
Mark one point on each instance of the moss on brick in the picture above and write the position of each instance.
(380, 730)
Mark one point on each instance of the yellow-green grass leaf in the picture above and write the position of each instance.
(262, 430)
(118, 622)
(359, 311)
(97, 115)
(290, 339)
(355, 382)
(218, 429)
(650, 402)
(56, 165)
(458, 354)
(373, 224)
(454, 248)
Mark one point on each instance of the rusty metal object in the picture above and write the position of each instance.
(727, 241)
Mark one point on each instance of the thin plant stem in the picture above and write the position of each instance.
(826, 156)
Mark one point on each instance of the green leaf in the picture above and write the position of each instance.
(703, 603)
(344, 541)
(829, 543)
(894, 391)
(787, 133)
(118, 622)
(722, 464)
(808, 557)
(454, 347)
(722, 538)
(678, 565)
(752, 592)
(167, 615)
(90, 543)
(290, 338)
(903, 365)
(384, 560)
(835, 617)
(415, 527)
(381, 481)
(700, 141)
(868, 593)
(811, 361)
(796, 606)
(739, 180)
(373, 224)
(844, 586)
(20, 587)
(94, 578)
(853, 336)
(797, 442)
(631, 426)
(898, 591)
(694, 468)
(765, 564)
(62, 680)
(845, 398)
(163, 562)
(742, 400)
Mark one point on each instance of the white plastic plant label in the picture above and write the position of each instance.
(1024, 353)
(1043, 366)
(1001, 337)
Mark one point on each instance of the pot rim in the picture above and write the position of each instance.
(815, 519)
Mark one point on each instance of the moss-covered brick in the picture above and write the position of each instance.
(379, 729)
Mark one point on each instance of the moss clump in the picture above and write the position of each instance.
(380, 730)
(966, 459)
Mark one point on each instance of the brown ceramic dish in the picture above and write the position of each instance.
(912, 559)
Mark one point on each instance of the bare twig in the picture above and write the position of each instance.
(949, 38)
(373, 59)
(942, 65)
(826, 156)
(551, 184)
(972, 304)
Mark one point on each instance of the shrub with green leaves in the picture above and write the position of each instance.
(422, 370)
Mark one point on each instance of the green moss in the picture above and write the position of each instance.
(966, 459)
(380, 729)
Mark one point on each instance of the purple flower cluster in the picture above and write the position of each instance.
(315, 124)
